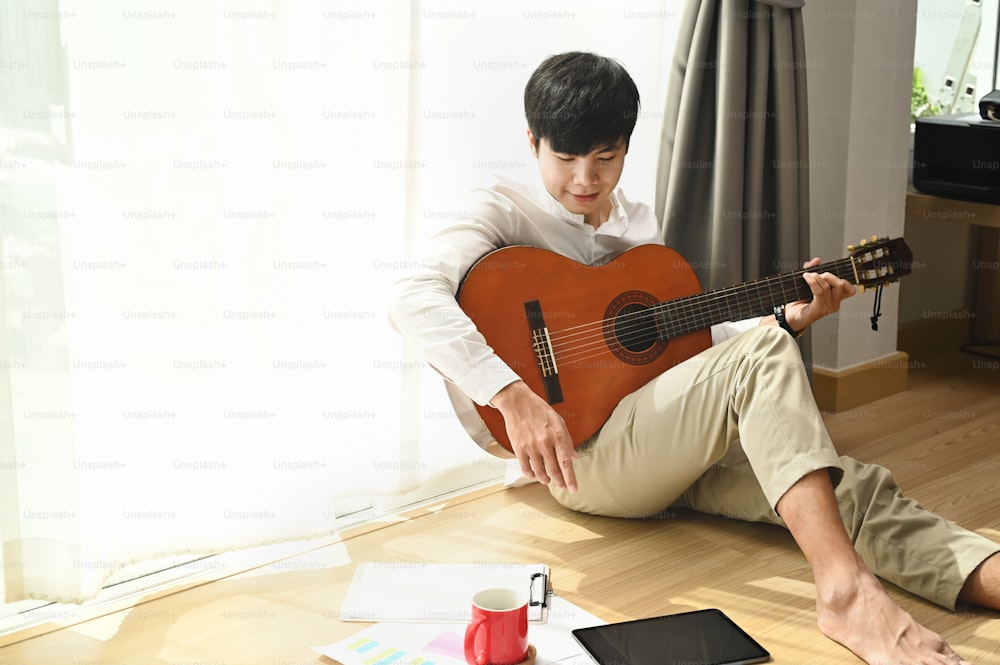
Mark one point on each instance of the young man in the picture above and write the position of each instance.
(733, 431)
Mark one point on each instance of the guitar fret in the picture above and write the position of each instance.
(737, 307)
(734, 303)
(755, 298)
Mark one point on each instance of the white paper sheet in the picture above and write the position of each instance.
(435, 592)
(394, 643)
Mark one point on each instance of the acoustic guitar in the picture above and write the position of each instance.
(583, 337)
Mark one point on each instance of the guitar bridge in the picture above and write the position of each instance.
(542, 344)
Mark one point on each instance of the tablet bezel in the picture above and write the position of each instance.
(659, 623)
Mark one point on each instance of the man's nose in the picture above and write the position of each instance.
(584, 172)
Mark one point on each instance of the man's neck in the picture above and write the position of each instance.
(600, 215)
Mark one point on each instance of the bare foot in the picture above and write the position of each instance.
(862, 617)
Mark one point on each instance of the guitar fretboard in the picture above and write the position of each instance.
(755, 298)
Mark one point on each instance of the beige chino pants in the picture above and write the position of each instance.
(729, 431)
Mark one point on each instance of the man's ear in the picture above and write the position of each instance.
(532, 143)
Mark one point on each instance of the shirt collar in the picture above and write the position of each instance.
(617, 223)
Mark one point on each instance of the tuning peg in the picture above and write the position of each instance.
(851, 248)
(874, 238)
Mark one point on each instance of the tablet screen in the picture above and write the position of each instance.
(707, 637)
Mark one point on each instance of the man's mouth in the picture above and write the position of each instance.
(585, 198)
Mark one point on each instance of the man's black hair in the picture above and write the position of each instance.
(579, 102)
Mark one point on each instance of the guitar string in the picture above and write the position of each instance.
(640, 328)
(728, 291)
(642, 334)
(637, 327)
(634, 327)
(711, 301)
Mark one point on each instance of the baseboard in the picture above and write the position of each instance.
(839, 390)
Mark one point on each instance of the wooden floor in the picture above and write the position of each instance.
(941, 438)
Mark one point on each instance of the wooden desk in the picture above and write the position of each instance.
(986, 326)
(926, 206)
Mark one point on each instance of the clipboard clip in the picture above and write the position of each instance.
(543, 593)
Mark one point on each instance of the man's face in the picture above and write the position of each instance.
(582, 183)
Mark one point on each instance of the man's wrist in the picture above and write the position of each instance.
(779, 316)
(505, 394)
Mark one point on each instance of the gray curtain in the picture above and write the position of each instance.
(733, 180)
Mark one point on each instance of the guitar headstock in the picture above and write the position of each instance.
(879, 261)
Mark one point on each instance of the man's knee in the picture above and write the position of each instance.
(771, 342)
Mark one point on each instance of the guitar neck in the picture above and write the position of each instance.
(744, 301)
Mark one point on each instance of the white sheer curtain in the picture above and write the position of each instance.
(201, 208)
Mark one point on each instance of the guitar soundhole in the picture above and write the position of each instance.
(633, 329)
(630, 329)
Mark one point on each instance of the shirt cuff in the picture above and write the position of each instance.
(727, 329)
(484, 382)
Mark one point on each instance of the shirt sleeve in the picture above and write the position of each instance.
(423, 308)
(723, 331)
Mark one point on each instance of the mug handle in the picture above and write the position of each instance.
(470, 642)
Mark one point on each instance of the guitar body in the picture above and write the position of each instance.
(548, 316)
(583, 337)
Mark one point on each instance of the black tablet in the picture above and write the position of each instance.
(706, 637)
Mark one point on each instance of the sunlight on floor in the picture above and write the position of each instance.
(565, 532)
(792, 587)
(102, 628)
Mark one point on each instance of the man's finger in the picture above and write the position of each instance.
(541, 470)
(554, 469)
(525, 463)
(565, 454)
(568, 474)
(816, 283)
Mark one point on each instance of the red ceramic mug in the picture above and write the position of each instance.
(498, 632)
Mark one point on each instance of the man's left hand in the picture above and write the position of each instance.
(827, 289)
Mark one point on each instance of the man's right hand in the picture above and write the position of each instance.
(538, 436)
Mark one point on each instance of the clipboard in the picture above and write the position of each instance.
(438, 592)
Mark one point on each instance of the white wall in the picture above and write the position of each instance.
(860, 57)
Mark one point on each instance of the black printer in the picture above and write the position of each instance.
(957, 156)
